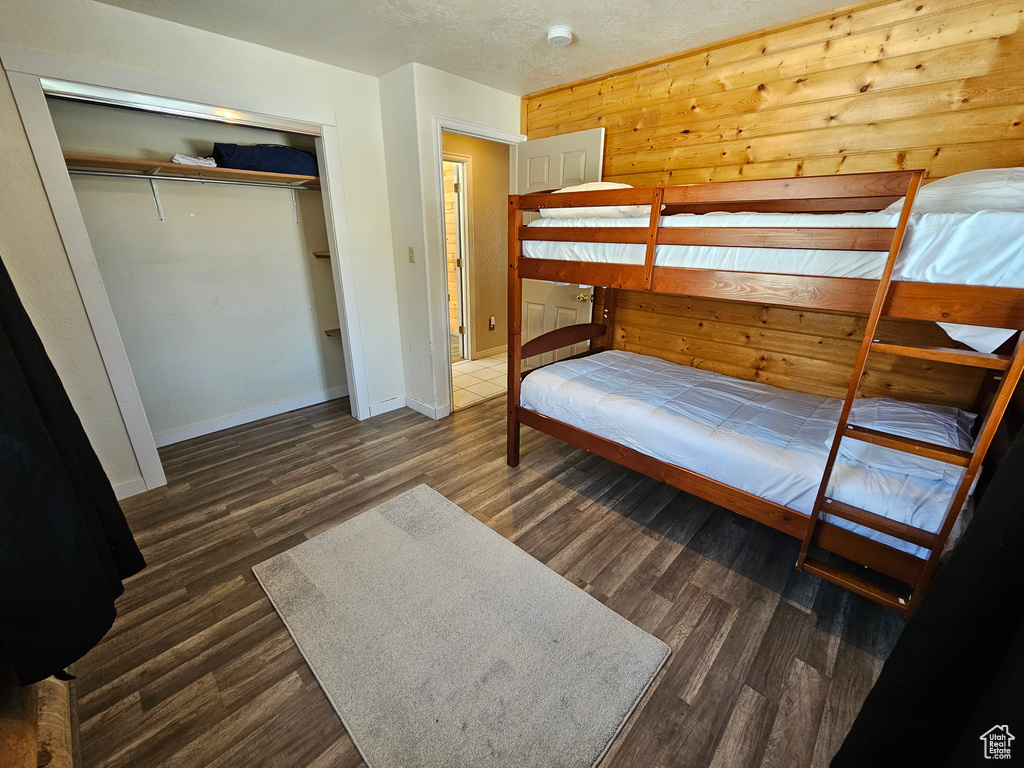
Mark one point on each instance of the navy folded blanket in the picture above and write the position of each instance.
(265, 157)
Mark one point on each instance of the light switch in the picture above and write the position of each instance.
(412, 255)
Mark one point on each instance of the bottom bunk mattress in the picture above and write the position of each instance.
(767, 441)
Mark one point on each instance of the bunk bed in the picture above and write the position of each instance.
(819, 469)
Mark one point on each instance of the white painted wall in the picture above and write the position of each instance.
(410, 98)
(98, 129)
(30, 244)
(216, 304)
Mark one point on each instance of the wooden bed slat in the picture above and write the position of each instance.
(854, 583)
(563, 337)
(945, 355)
(636, 235)
(607, 197)
(853, 185)
(909, 533)
(818, 238)
(909, 445)
(969, 304)
(850, 295)
(887, 560)
(830, 205)
(584, 273)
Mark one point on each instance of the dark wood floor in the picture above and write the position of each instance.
(768, 668)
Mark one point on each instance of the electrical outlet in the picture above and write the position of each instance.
(412, 255)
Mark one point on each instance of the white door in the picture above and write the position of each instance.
(542, 165)
(559, 161)
(550, 306)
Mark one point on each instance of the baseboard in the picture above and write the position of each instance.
(131, 488)
(427, 410)
(244, 417)
(491, 352)
(387, 406)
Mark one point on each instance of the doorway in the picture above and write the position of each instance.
(455, 261)
(475, 178)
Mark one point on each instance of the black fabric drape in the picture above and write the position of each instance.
(958, 668)
(64, 543)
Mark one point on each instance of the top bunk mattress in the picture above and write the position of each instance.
(767, 441)
(984, 248)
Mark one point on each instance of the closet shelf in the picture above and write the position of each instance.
(155, 169)
(322, 254)
(334, 332)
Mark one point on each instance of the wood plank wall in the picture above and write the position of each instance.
(932, 84)
(794, 349)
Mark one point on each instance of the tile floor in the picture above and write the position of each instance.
(474, 381)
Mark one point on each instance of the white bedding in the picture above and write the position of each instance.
(983, 248)
(770, 442)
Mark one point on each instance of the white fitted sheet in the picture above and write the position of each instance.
(984, 248)
(767, 441)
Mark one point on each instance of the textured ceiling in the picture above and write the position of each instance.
(494, 42)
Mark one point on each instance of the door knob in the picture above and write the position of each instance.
(584, 297)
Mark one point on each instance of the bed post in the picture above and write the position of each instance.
(515, 327)
(611, 298)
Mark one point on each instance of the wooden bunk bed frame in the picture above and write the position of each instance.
(974, 305)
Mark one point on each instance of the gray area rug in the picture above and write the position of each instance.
(442, 644)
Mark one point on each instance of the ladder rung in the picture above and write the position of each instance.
(908, 533)
(856, 584)
(910, 445)
(945, 355)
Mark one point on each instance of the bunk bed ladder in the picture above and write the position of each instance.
(843, 429)
(918, 575)
(1010, 368)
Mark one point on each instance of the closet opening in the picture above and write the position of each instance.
(220, 279)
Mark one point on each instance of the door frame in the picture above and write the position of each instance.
(438, 305)
(26, 71)
(465, 224)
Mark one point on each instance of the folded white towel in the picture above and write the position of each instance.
(207, 162)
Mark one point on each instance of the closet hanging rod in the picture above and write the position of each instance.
(161, 177)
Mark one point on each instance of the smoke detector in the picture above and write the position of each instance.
(560, 36)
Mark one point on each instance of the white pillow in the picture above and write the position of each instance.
(599, 211)
(992, 189)
(938, 424)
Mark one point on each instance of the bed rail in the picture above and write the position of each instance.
(563, 337)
